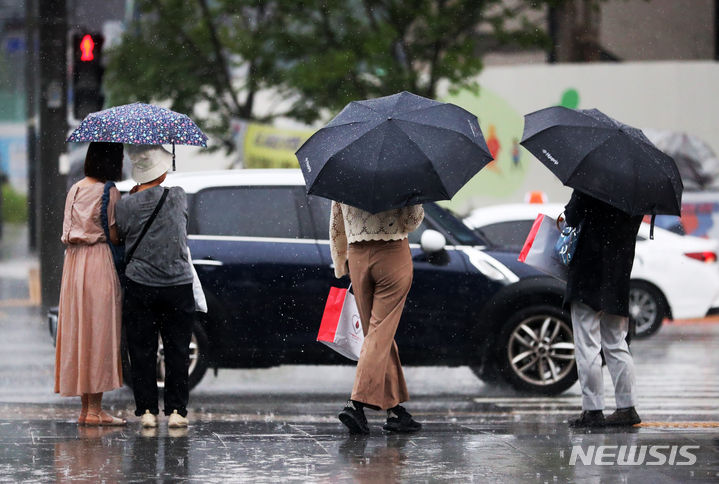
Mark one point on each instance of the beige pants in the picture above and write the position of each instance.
(593, 332)
(381, 273)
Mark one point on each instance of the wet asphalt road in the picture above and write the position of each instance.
(279, 424)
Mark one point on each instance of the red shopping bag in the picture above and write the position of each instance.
(539, 248)
(341, 328)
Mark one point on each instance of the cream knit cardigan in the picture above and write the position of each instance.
(350, 224)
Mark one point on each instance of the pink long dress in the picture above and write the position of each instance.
(87, 355)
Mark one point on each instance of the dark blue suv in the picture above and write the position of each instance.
(260, 246)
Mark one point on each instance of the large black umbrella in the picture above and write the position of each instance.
(393, 151)
(598, 155)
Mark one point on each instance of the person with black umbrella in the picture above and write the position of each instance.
(379, 160)
(373, 249)
(598, 294)
(618, 176)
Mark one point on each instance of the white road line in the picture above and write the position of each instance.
(547, 411)
(641, 405)
(698, 399)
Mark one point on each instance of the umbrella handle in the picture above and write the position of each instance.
(651, 226)
(173, 157)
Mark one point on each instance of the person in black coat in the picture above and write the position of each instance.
(598, 293)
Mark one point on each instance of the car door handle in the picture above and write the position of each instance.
(207, 261)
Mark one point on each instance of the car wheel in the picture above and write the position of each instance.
(536, 350)
(198, 359)
(647, 308)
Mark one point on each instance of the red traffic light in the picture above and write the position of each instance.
(87, 46)
(87, 72)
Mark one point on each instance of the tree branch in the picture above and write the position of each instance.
(196, 51)
(327, 29)
(370, 15)
(219, 55)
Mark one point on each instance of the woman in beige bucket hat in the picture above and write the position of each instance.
(158, 293)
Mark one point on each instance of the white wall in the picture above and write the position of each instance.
(680, 96)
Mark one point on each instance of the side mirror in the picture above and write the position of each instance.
(432, 241)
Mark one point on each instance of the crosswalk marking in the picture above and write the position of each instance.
(680, 425)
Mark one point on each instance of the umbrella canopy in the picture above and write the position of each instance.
(697, 163)
(139, 124)
(595, 154)
(393, 151)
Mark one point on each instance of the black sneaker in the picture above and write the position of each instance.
(623, 417)
(588, 418)
(354, 418)
(400, 420)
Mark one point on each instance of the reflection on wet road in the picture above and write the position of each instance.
(280, 424)
(498, 450)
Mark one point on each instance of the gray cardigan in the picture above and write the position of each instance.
(161, 258)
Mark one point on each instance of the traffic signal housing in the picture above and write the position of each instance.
(87, 73)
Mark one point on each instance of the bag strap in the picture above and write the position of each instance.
(103, 209)
(147, 225)
(118, 251)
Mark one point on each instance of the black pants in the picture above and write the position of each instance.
(169, 311)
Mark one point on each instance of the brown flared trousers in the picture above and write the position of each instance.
(381, 273)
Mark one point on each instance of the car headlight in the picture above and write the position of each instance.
(490, 266)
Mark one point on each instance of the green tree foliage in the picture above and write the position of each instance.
(207, 53)
(316, 54)
(13, 205)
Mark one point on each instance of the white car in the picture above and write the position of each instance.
(674, 276)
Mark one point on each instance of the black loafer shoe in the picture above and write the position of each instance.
(623, 417)
(400, 420)
(588, 418)
(354, 418)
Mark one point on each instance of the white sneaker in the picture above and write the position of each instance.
(148, 420)
(177, 421)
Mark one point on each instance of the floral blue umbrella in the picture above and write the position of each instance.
(139, 124)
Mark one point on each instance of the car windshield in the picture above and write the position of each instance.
(508, 235)
(452, 225)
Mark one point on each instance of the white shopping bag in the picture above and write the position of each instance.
(197, 292)
(341, 328)
(539, 249)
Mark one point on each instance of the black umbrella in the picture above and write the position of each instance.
(393, 151)
(600, 156)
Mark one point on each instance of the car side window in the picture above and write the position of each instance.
(507, 235)
(320, 212)
(247, 212)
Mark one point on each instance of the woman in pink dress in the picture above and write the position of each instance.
(87, 358)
